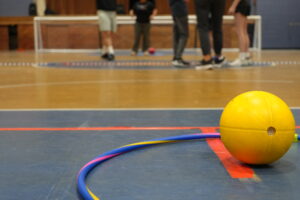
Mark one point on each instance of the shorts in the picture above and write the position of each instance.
(243, 7)
(107, 20)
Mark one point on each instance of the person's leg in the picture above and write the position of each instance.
(182, 34)
(238, 22)
(104, 29)
(217, 11)
(202, 12)
(137, 37)
(146, 37)
(242, 34)
(175, 37)
(113, 30)
(105, 25)
(247, 39)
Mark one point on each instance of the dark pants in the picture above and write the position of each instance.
(210, 16)
(180, 35)
(142, 30)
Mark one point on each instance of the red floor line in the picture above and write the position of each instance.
(235, 168)
(213, 129)
(101, 128)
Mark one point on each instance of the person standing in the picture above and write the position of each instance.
(210, 15)
(241, 9)
(144, 11)
(179, 12)
(108, 26)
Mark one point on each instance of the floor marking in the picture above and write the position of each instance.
(101, 128)
(135, 81)
(114, 109)
(114, 128)
(235, 168)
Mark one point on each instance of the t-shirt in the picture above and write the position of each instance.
(178, 8)
(108, 5)
(143, 11)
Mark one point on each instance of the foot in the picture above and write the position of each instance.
(133, 53)
(104, 56)
(240, 62)
(111, 57)
(180, 63)
(205, 65)
(219, 61)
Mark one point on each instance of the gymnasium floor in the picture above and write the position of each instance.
(59, 115)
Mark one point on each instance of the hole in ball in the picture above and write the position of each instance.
(271, 131)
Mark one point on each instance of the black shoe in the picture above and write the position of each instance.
(219, 61)
(111, 57)
(108, 56)
(205, 64)
(104, 56)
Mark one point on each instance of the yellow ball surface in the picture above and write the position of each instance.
(257, 127)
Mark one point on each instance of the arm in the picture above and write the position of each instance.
(154, 11)
(233, 6)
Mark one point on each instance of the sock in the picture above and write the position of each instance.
(104, 49)
(243, 55)
(110, 49)
(248, 55)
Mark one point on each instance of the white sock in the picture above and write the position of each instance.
(248, 55)
(111, 50)
(243, 55)
(104, 49)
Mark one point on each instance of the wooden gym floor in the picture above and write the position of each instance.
(23, 86)
(59, 111)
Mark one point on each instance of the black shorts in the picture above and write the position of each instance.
(243, 7)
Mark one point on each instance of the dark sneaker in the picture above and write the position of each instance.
(219, 61)
(110, 57)
(180, 63)
(205, 65)
(104, 56)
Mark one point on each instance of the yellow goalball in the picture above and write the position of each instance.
(257, 127)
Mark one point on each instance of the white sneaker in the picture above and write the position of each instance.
(240, 62)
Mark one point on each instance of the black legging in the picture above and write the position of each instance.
(210, 17)
(180, 35)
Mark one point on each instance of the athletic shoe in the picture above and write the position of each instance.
(240, 62)
(205, 65)
(180, 63)
(108, 57)
(133, 53)
(111, 57)
(104, 56)
(219, 61)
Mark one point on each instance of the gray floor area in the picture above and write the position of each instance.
(43, 164)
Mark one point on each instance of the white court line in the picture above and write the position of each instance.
(146, 81)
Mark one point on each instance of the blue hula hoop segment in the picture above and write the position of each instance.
(87, 194)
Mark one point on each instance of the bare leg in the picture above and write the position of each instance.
(241, 30)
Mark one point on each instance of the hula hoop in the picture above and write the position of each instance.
(87, 194)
